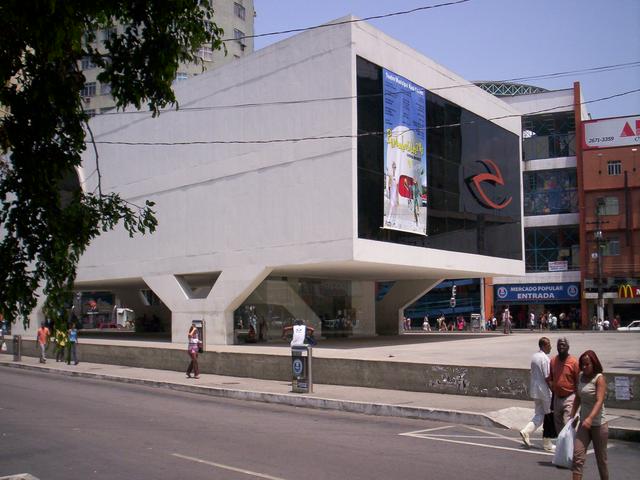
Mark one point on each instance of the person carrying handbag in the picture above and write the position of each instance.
(593, 427)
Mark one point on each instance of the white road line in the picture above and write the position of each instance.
(227, 467)
(427, 430)
(497, 447)
(496, 435)
(448, 435)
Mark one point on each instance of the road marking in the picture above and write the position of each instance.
(227, 467)
(451, 438)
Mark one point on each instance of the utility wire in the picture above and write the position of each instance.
(589, 70)
(364, 134)
(357, 20)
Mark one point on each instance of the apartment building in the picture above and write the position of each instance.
(235, 17)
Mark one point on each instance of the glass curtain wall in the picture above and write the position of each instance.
(551, 244)
(550, 135)
(550, 192)
(332, 307)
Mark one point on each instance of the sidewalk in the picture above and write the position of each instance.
(480, 411)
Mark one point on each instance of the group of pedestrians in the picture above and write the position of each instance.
(561, 386)
(66, 341)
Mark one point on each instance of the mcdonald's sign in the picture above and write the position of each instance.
(627, 291)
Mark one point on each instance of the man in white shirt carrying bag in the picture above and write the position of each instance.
(540, 392)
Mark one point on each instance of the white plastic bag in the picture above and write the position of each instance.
(564, 447)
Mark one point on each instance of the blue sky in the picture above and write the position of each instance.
(499, 39)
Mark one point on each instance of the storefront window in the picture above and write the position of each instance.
(550, 192)
(551, 244)
(95, 309)
(334, 308)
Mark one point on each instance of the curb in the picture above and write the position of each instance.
(309, 401)
(294, 400)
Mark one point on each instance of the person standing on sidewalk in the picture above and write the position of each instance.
(563, 381)
(540, 392)
(593, 425)
(42, 337)
(193, 349)
(62, 337)
(73, 345)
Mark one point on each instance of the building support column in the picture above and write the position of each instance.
(229, 291)
(390, 309)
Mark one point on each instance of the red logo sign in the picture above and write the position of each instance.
(492, 176)
(627, 131)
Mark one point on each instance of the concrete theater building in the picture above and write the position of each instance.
(282, 192)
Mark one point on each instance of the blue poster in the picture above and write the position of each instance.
(538, 292)
(405, 155)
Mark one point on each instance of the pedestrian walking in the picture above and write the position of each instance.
(193, 349)
(73, 345)
(593, 427)
(42, 338)
(540, 392)
(426, 326)
(506, 321)
(62, 338)
(563, 380)
(532, 321)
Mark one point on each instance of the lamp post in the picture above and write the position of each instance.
(600, 244)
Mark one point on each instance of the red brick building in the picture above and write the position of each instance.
(609, 199)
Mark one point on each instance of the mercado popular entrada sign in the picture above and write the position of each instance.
(538, 292)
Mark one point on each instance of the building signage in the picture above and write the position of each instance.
(611, 132)
(538, 292)
(405, 155)
(626, 290)
(559, 266)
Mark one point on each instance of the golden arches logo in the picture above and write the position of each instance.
(625, 291)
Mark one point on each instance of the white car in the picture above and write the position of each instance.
(632, 327)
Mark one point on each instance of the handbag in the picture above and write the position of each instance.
(564, 446)
(549, 426)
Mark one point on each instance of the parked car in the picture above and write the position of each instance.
(632, 327)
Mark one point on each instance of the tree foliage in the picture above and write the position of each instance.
(46, 220)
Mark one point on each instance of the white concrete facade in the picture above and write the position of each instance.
(241, 210)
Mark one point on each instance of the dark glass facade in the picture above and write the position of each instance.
(473, 176)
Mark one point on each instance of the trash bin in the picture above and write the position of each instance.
(301, 369)
(17, 348)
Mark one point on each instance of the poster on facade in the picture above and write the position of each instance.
(405, 155)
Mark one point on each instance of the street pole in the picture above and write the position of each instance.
(600, 246)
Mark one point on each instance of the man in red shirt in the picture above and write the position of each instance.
(43, 340)
(563, 380)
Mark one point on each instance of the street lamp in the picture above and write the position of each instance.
(600, 245)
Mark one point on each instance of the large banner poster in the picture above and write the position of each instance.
(405, 155)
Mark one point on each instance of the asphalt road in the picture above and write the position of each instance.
(56, 427)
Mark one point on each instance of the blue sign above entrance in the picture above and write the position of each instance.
(538, 292)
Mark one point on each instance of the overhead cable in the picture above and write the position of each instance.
(589, 70)
(343, 22)
(330, 137)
